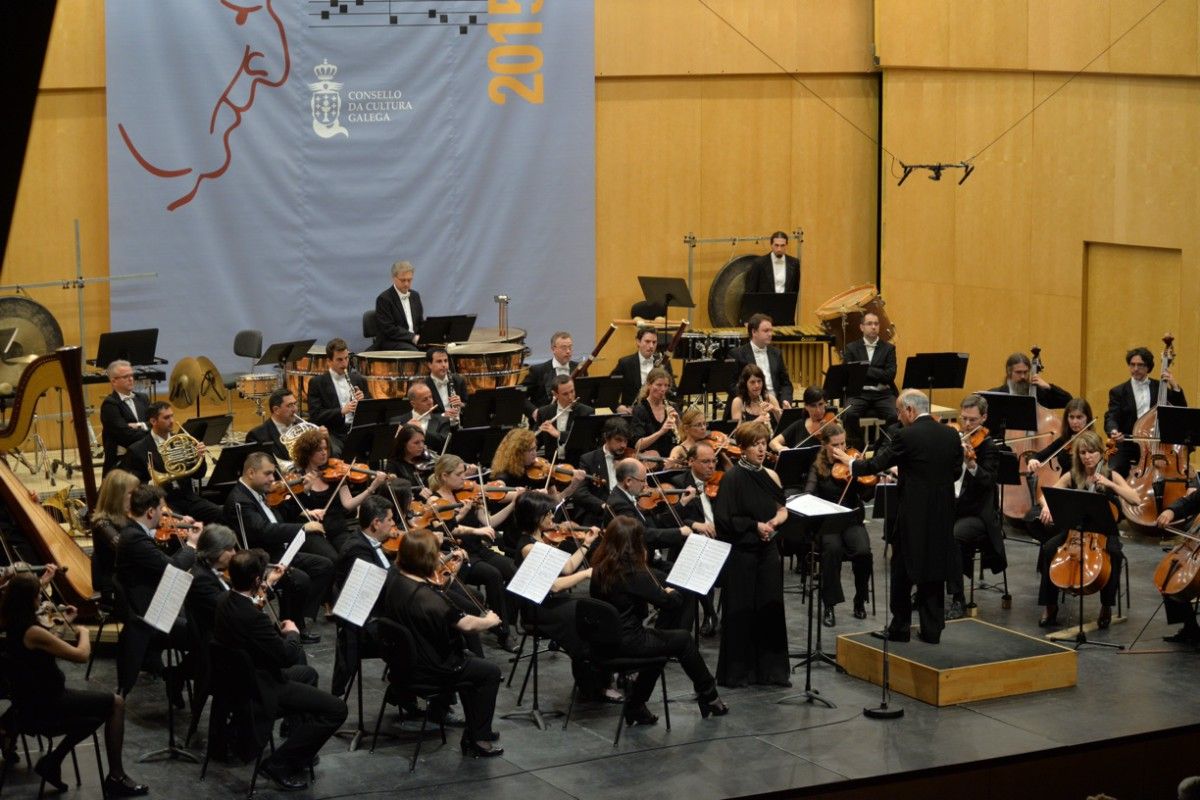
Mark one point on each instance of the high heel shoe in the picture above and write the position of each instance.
(716, 707)
(51, 773)
(709, 627)
(1049, 618)
(476, 750)
(640, 716)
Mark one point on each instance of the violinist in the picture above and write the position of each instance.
(484, 567)
(752, 402)
(286, 684)
(410, 460)
(804, 430)
(1181, 611)
(424, 415)
(634, 369)
(1076, 416)
(328, 500)
(622, 578)
(214, 550)
(749, 511)
(110, 516)
(697, 511)
(1129, 401)
(310, 575)
(414, 600)
(840, 538)
(1090, 473)
(182, 494)
(655, 421)
(623, 501)
(40, 699)
(537, 380)
(448, 389)
(694, 429)
(759, 351)
(601, 465)
(558, 418)
(878, 398)
(515, 458)
(282, 405)
(333, 395)
(976, 520)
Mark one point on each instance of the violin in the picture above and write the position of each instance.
(651, 498)
(281, 491)
(436, 509)
(713, 484)
(970, 441)
(720, 442)
(566, 530)
(335, 469)
(166, 530)
(841, 472)
(448, 568)
(540, 469)
(495, 491)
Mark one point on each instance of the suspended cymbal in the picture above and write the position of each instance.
(185, 382)
(38, 333)
(212, 385)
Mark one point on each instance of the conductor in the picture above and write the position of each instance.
(929, 457)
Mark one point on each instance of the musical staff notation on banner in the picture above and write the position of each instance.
(449, 14)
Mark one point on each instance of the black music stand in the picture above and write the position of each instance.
(475, 445)
(779, 306)
(1179, 425)
(443, 330)
(380, 410)
(371, 443)
(844, 381)
(1080, 511)
(502, 408)
(584, 434)
(706, 377)
(794, 464)
(137, 347)
(601, 391)
(929, 371)
(666, 292)
(229, 464)
(790, 417)
(1010, 412)
(209, 430)
(280, 353)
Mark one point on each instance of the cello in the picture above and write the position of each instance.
(1018, 505)
(1161, 474)
(1178, 574)
(1086, 552)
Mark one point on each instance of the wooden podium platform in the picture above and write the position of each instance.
(974, 661)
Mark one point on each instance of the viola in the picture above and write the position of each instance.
(713, 484)
(166, 530)
(426, 514)
(720, 442)
(651, 498)
(841, 472)
(540, 469)
(281, 491)
(335, 469)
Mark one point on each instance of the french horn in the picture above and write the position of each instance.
(181, 458)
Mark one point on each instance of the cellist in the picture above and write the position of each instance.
(1181, 610)
(1128, 401)
(1089, 472)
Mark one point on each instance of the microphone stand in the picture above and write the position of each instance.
(883, 710)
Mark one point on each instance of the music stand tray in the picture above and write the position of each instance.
(601, 391)
(137, 347)
(280, 353)
(843, 381)
(1011, 412)
(446, 329)
(666, 292)
(779, 306)
(585, 433)
(794, 464)
(1179, 425)
(375, 411)
(695, 379)
(209, 430)
(229, 464)
(931, 371)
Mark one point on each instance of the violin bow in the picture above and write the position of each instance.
(822, 427)
(1068, 442)
(663, 495)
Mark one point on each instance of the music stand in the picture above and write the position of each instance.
(779, 306)
(280, 353)
(502, 407)
(929, 371)
(137, 347)
(794, 464)
(446, 329)
(1076, 510)
(666, 292)
(584, 434)
(790, 417)
(1179, 425)
(475, 445)
(844, 381)
(371, 443)
(1016, 412)
(601, 391)
(209, 430)
(375, 411)
(229, 464)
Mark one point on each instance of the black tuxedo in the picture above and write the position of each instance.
(592, 497)
(458, 386)
(537, 384)
(392, 330)
(761, 275)
(629, 370)
(358, 546)
(181, 494)
(202, 598)
(656, 537)
(141, 564)
(743, 355)
(268, 434)
(324, 408)
(694, 510)
(930, 459)
(872, 402)
(115, 432)
(546, 442)
(1122, 414)
(437, 430)
(882, 366)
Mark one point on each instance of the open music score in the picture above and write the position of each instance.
(462, 14)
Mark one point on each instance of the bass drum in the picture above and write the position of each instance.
(842, 314)
(725, 294)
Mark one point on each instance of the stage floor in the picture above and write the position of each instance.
(761, 746)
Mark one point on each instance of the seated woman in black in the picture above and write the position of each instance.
(839, 537)
(621, 577)
(40, 695)
(420, 605)
(330, 502)
(409, 462)
(108, 518)
(511, 464)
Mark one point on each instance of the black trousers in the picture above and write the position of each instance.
(931, 601)
(479, 700)
(73, 715)
(1048, 592)
(969, 535)
(493, 571)
(853, 543)
(881, 405)
(315, 715)
(672, 643)
(319, 574)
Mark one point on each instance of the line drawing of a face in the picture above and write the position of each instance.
(269, 66)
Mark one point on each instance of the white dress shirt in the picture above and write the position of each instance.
(266, 509)
(779, 267)
(870, 346)
(404, 303)
(1141, 395)
(560, 369)
(705, 503)
(764, 363)
(345, 392)
(645, 365)
(442, 386)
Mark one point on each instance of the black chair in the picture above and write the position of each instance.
(600, 627)
(1005, 598)
(104, 612)
(397, 649)
(369, 325)
(238, 706)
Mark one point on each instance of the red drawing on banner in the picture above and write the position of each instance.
(254, 70)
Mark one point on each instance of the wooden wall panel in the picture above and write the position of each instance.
(1066, 34)
(75, 55)
(989, 34)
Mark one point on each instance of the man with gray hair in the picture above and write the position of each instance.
(929, 457)
(398, 312)
(122, 414)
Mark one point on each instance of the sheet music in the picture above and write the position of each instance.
(699, 564)
(168, 598)
(293, 548)
(360, 592)
(538, 571)
(809, 505)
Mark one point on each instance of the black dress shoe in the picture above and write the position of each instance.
(51, 773)
(928, 639)
(828, 619)
(480, 750)
(504, 642)
(1050, 617)
(709, 627)
(284, 778)
(124, 787)
(955, 610)
(309, 638)
(1105, 618)
(860, 609)
(893, 636)
(640, 716)
(715, 707)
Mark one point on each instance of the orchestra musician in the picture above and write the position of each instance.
(329, 501)
(1077, 414)
(214, 550)
(749, 511)
(559, 416)
(398, 312)
(600, 465)
(759, 351)
(109, 518)
(310, 575)
(333, 395)
(282, 404)
(415, 601)
(878, 398)
(622, 578)
(752, 402)
(286, 684)
(1181, 611)
(839, 537)
(448, 389)
(654, 420)
(976, 520)
(1088, 472)
(1017, 380)
(635, 367)
(512, 465)
(1128, 401)
(424, 415)
(43, 704)
(409, 459)
(181, 494)
(697, 511)
(805, 430)
(122, 414)
(537, 380)
(930, 457)
(693, 429)
(623, 501)
(775, 272)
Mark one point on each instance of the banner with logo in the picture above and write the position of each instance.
(271, 160)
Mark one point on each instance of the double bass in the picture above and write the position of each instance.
(1161, 473)
(1019, 504)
